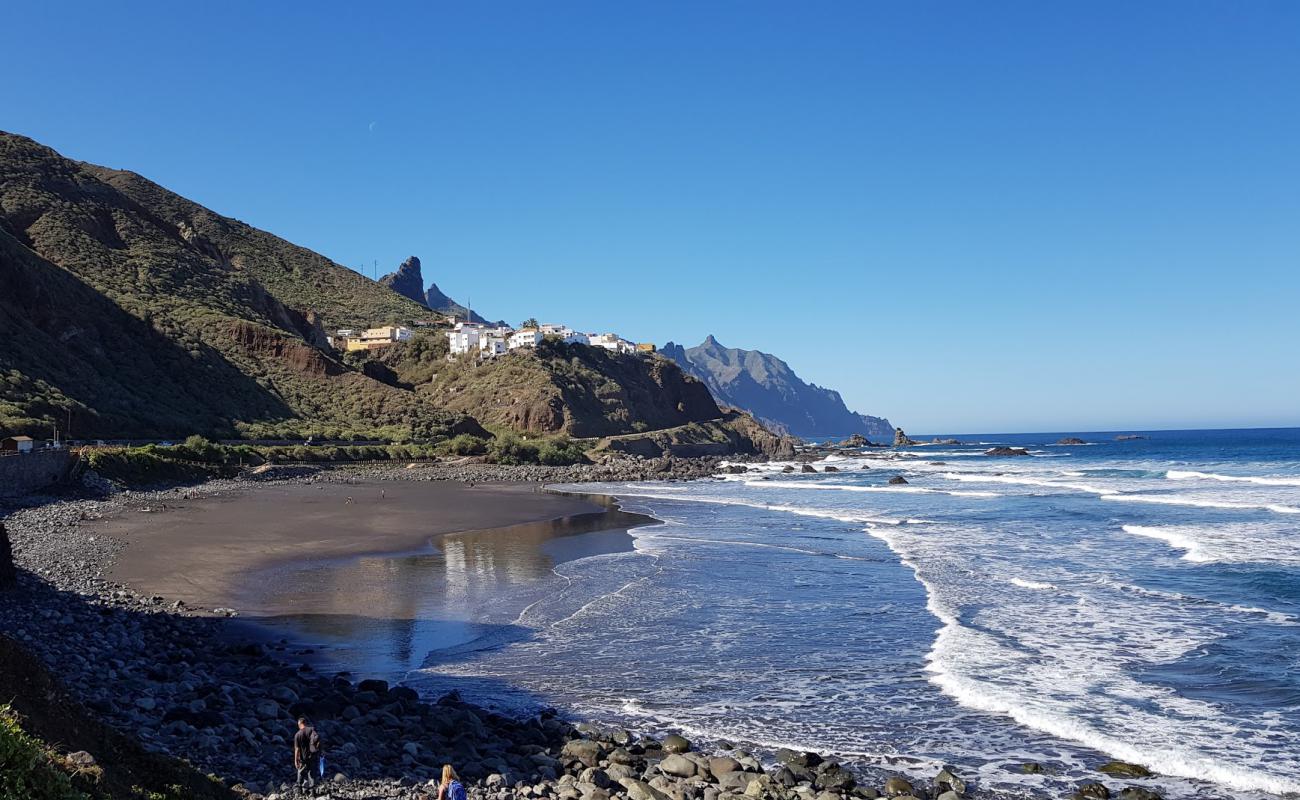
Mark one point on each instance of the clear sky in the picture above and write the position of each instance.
(1001, 216)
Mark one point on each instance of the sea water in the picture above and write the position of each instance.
(1134, 599)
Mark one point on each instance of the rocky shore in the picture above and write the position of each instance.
(190, 683)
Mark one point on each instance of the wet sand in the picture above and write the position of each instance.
(201, 551)
(375, 585)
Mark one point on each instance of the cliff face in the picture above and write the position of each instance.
(140, 313)
(765, 386)
(407, 281)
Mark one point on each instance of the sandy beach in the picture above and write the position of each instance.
(201, 551)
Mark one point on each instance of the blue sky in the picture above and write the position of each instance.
(965, 216)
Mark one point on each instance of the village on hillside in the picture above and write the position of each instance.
(486, 340)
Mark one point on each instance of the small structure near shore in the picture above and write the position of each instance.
(18, 444)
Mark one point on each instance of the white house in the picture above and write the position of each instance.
(463, 340)
(491, 344)
(611, 341)
(528, 337)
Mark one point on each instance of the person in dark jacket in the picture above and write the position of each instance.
(306, 754)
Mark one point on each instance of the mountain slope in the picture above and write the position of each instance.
(145, 314)
(435, 299)
(556, 388)
(765, 386)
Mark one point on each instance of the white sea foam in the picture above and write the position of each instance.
(844, 487)
(1180, 500)
(955, 660)
(1174, 537)
(1027, 584)
(1185, 475)
(973, 477)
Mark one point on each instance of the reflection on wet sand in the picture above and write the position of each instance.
(384, 614)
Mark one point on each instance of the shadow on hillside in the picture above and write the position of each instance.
(65, 333)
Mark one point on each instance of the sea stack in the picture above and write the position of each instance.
(900, 438)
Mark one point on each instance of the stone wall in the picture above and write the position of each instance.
(30, 472)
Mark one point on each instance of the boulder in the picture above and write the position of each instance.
(679, 766)
(901, 440)
(856, 440)
(830, 469)
(1070, 440)
(897, 480)
(1031, 768)
(947, 780)
(583, 751)
(640, 790)
(1123, 769)
(379, 687)
(1138, 793)
(797, 758)
(897, 786)
(787, 469)
(676, 744)
(1091, 791)
(722, 765)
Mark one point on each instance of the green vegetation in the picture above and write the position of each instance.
(27, 768)
(465, 445)
(146, 315)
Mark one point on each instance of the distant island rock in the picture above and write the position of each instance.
(1070, 440)
(1006, 451)
(901, 439)
(1128, 437)
(765, 386)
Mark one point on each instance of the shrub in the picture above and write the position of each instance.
(560, 453)
(507, 448)
(27, 768)
(465, 445)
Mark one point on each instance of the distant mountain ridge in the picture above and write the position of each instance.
(408, 281)
(768, 388)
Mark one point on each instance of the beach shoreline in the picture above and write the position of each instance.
(164, 658)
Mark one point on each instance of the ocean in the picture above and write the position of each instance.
(1135, 599)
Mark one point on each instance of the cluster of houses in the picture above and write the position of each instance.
(493, 340)
(485, 340)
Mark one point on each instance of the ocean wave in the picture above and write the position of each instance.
(952, 650)
(844, 487)
(1027, 584)
(1024, 481)
(1177, 500)
(1173, 537)
(1184, 475)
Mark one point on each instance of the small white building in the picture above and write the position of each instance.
(463, 340)
(611, 341)
(528, 337)
(491, 344)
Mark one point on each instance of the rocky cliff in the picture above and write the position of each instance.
(768, 388)
(407, 281)
(435, 299)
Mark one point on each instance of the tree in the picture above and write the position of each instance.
(531, 322)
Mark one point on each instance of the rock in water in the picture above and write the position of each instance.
(407, 281)
(1123, 769)
(8, 573)
(808, 468)
(901, 439)
(1070, 440)
(676, 744)
(897, 480)
(1006, 451)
